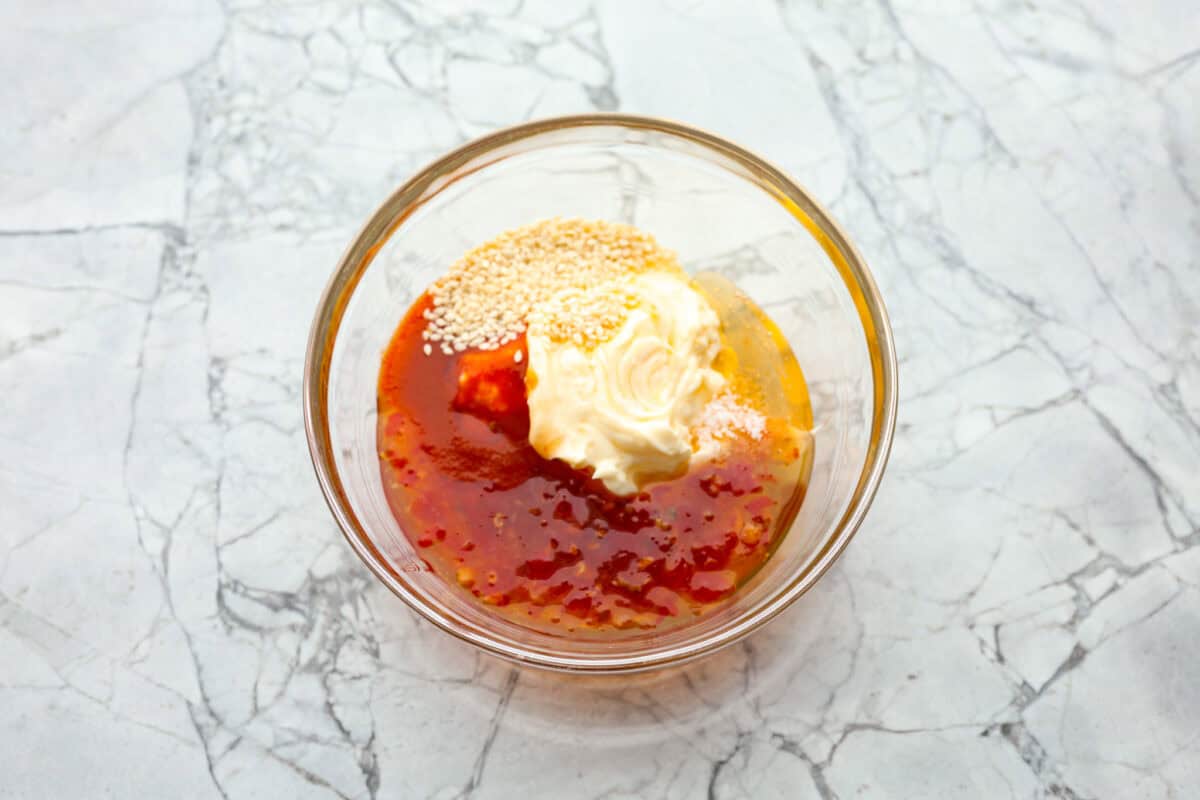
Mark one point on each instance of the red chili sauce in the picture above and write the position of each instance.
(544, 543)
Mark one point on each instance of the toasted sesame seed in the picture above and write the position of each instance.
(489, 295)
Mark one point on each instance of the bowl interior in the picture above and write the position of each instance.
(719, 212)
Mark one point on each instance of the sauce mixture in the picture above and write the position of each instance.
(544, 543)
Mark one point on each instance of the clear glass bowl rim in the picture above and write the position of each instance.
(390, 215)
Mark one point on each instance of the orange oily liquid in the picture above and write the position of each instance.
(546, 545)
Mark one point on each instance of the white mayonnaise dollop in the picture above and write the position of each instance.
(625, 406)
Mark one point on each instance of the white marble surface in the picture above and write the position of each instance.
(1020, 615)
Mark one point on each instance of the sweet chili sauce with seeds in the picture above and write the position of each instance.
(544, 543)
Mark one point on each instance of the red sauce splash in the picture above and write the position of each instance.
(545, 543)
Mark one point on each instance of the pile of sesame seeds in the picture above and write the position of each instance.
(490, 295)
(584, 317)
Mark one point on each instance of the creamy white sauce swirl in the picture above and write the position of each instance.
(625, 407)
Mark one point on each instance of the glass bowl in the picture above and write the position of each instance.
(720, 208)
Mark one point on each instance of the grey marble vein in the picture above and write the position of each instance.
(1020, 614)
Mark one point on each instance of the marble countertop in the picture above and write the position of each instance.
(1018, 617)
